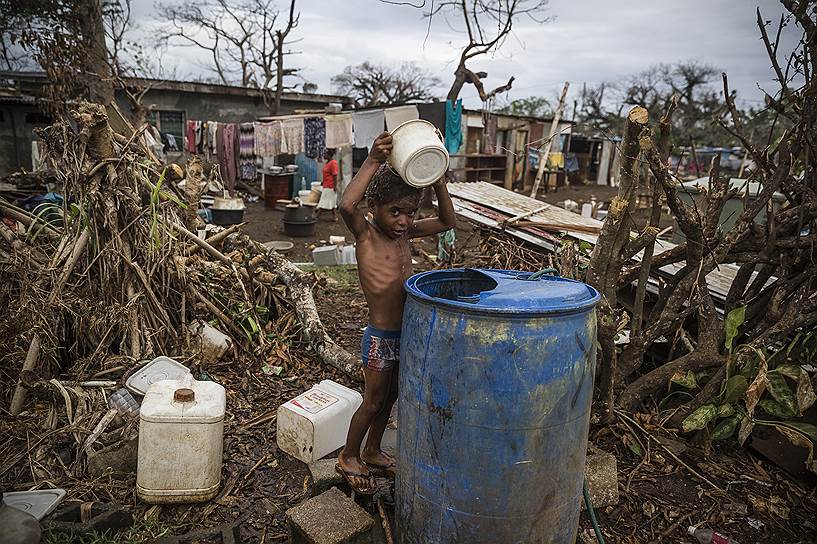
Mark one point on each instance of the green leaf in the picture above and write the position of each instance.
(733, 321)
(774, 408)
(700, 418)
(736, 387)
(806, 428)
(726, 427)
(781, 392)
(685, 380)
(791, 371)
(726, 410)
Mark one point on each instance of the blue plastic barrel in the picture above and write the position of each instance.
(496, 380)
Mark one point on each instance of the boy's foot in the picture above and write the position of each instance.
(381, 461)
(357, 475)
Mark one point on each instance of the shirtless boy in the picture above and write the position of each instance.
(384, 263)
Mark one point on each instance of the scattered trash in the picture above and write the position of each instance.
(123, 402)
(279, 245)
(38, 503)
(708, 536)
(270, 370)
(337, 240)
(326, 256)
(755, 523)
(212, 343)
(180, 420)
(314, 423)
(570, 205)
(160, 368)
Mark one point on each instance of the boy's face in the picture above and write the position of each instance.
(395, 218)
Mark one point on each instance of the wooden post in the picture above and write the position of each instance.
(510, 159)
(545, 151)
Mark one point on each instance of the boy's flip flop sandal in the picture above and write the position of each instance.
(389, 469)
(348, 475)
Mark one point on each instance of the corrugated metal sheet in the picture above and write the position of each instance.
(480, 202)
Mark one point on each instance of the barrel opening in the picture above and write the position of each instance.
(460, 285)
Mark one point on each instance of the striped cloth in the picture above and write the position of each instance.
(246, 151)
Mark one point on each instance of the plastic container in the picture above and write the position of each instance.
(326, 256)
(212, 343)
(418, 156)
(181, 438)
(708, 536)
(315, 423)
(496, 381)
(160, 368)
(124, 402)
(38, 503)
(348, 255)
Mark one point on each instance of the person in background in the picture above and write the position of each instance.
(329, 198)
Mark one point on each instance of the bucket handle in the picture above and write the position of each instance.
(439, 134)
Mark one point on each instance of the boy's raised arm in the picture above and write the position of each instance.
(446, 217)
(356, 191)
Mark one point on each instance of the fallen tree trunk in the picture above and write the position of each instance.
(301, 293)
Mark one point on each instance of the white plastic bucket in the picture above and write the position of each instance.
(418, 155)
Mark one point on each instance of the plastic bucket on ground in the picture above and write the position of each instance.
(418, 155)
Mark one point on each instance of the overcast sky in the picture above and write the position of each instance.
(587, 41)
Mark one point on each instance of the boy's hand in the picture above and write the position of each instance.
(381, 148)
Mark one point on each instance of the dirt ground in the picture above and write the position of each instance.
(663, 488)
(746, 497)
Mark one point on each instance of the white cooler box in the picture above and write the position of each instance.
(315, 423)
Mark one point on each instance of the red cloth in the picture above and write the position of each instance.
(190, 139)
(330, 173)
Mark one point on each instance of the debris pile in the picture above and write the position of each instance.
(120, 276)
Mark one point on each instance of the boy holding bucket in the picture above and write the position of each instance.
(384, 263)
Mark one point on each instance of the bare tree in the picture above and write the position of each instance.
(67, 39)
(243, 36)
(692, 82)
(487, 24)
(771, 304)
(372, 84)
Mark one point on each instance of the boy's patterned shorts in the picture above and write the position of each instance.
(380, 350)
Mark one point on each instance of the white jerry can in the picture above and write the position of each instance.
(315, 423)
(181, 437)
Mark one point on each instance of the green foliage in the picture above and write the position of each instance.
(726, 427)
(685, 380)
(732, 323)
(782, 393)
(735, 388)
(532, 106)
(700, 418)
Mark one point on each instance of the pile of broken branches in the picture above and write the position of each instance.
(119, 276)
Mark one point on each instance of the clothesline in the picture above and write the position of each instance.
(240, 149)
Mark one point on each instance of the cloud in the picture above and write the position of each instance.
(588, 41)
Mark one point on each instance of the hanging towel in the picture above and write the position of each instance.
(212, 133)
(227, 154)
(399, 115)
(292, 136)
(246, 147)
(338, 130)
(314, 137)
(434, 113)
(367, 126)
(453, 126)
(190, 137)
